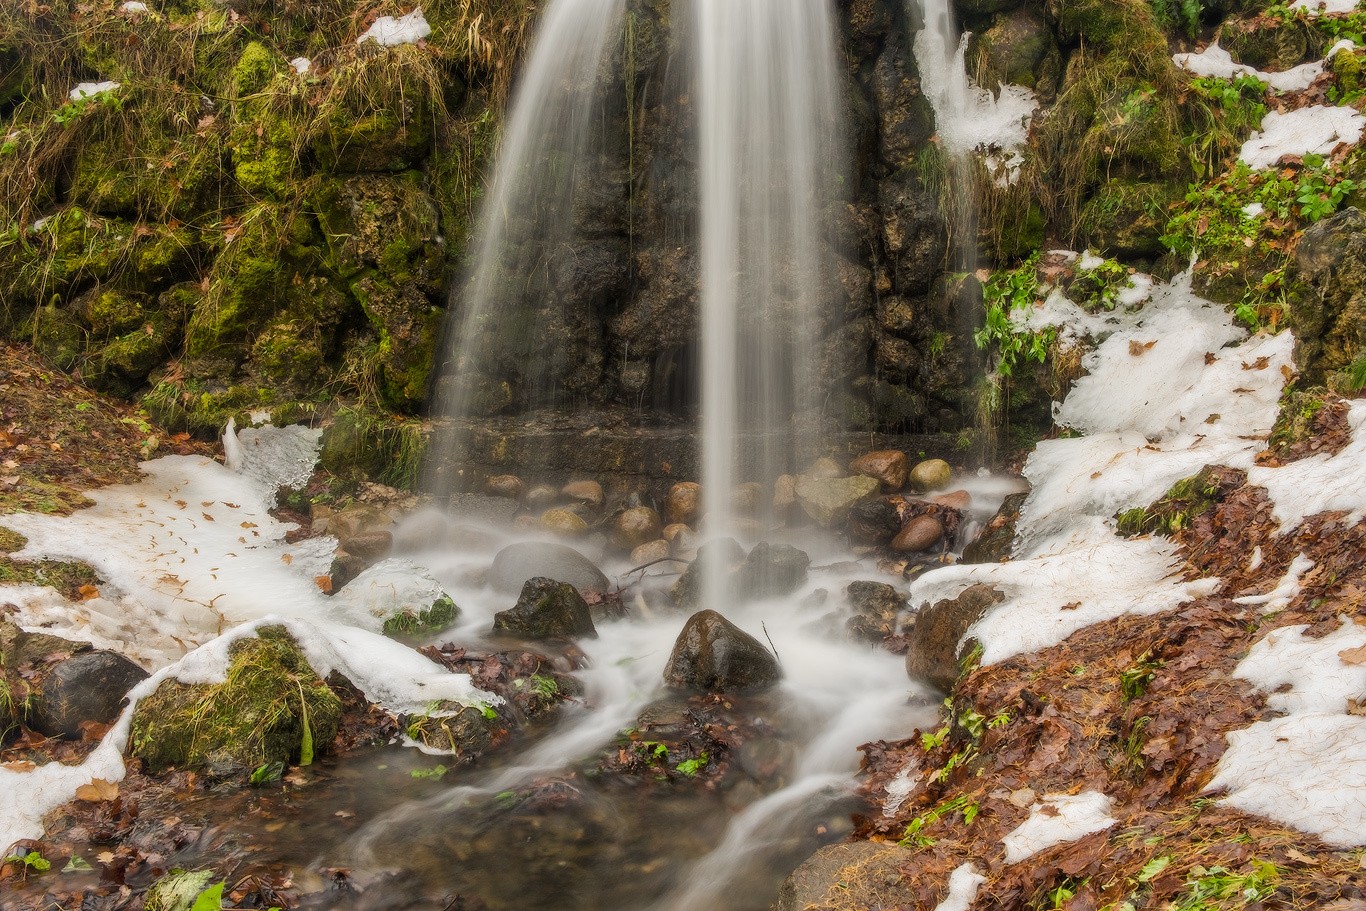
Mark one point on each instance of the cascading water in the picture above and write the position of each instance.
(771, 161)
(504, 352)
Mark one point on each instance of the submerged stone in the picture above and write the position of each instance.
(547, 609)
(771, 570)
(876, 606)
(716, 656)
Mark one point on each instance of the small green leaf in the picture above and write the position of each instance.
(1153, 867)
(211, 899)
(76, 864)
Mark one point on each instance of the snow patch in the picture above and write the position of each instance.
(1279, 598)
(91, 89)
(133, 6)
(1319, 7)
(1215, 61)
(964, 882)
(301, 65)
(1056, 819)
(390, 32)
(1313, 130)
(901, 787)
(1320, 483)
(1307, 769)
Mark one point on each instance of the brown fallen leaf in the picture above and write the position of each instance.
(286, 559)
(98, 791)
(89, 592)
(1137, 348)
(1353, 656)
(19, 765)
(324, 584)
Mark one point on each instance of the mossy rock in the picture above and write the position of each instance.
(57, 335)
(409, 323)
(381, 112)
(374, 444)
(272, 707)
(123, 364)
(1328, 296)
(109, 312)
(1105, 24)
(149, 170)
(1269, 43)
(389, 224)
(1126, 218)
(463, 731)
(1013, 50)
(62, 253)
(416, 622)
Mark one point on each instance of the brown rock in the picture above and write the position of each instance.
(635, 527)
(746, 498)
(931, 474)
(939, 627)
(541, 496)
(371, 546)
(957, 499)
(682, 541)
(683, 504)
(824, 469)
(784, 492)
(564, 522)
(505, 485)
(889, 466)
(588, 493)
(650, 551)
(920, 534)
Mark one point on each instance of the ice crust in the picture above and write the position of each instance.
(388, 31)
(964, 882)
(1317, 130)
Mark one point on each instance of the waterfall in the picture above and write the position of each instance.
(503, 352)
(769, 130)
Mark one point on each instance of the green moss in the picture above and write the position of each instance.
(1295, 421)
(376, 445)
(67, 577)
(272, 707)
(123, 365)
(264, 157)
(10, 540)
(109, 312)
(57, 335)
(1127, 218)
(463, 731)
(256, 68)
(410, 621)
(1187, 499)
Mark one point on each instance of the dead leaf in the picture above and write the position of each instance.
(286, 559)
(1300, 857)
(324, 584)
(1353, 656)
(20, 765)
(98, 791)
(1137, 348)
(89, 592)
(207, 517)
(1259, 364)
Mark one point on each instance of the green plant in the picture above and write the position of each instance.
(691, 767)
(1134, 681)
(1006, 292)
(266, 773)
(1153, 868)
(1183, 14)
(1098, 287)
(436, 773)
(1218, 887)
(31, 860)
(915, 837)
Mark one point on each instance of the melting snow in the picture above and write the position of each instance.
(1316, 129)
(301, 65)
(1279, 598)
(91, 89)
(390, 32)
(133, 6)
(1321, 483)
(963, 885)
(1215, 61)
(1307, 769)
(1058, 818)
(1317, 7)
(900, 787)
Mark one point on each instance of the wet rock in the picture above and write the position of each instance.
(784, 492)
(931, 474)
(87, 687)
(680, 537)
(547, 609)
(394, 597)
(358, 519)
(746, 498)
(996, 540)
(517, 563)
(957, 499)
(683, 504)
(874, 522)
(635, 527)
(876, 606)
(919, 535)
(371, 546)
(564, 522)
(829, 501)
(825, 469)
(889, 466)
(714, 655)
(771, 570)
(541, 496)
(505, 485)
(939, 628)
(466, 732)
(687, 591)
(589, 493)
(650, 552)
(861, 868)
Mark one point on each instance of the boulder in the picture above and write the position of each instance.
(517, 563)
(687, 591)
(955, 499)
(683, 504)
(919, 535)
(771, 570)
(370, 545)
(1328, 304)
(876, 606)
(650, 552)
(90, 686)
(715, 656)
(547, 609)
(889, 466)
(824, 468)
(939, 628)
(541, 496)
(828, 501)
(634, 527)
(931, 474)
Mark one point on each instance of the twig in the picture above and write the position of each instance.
(770, 641)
